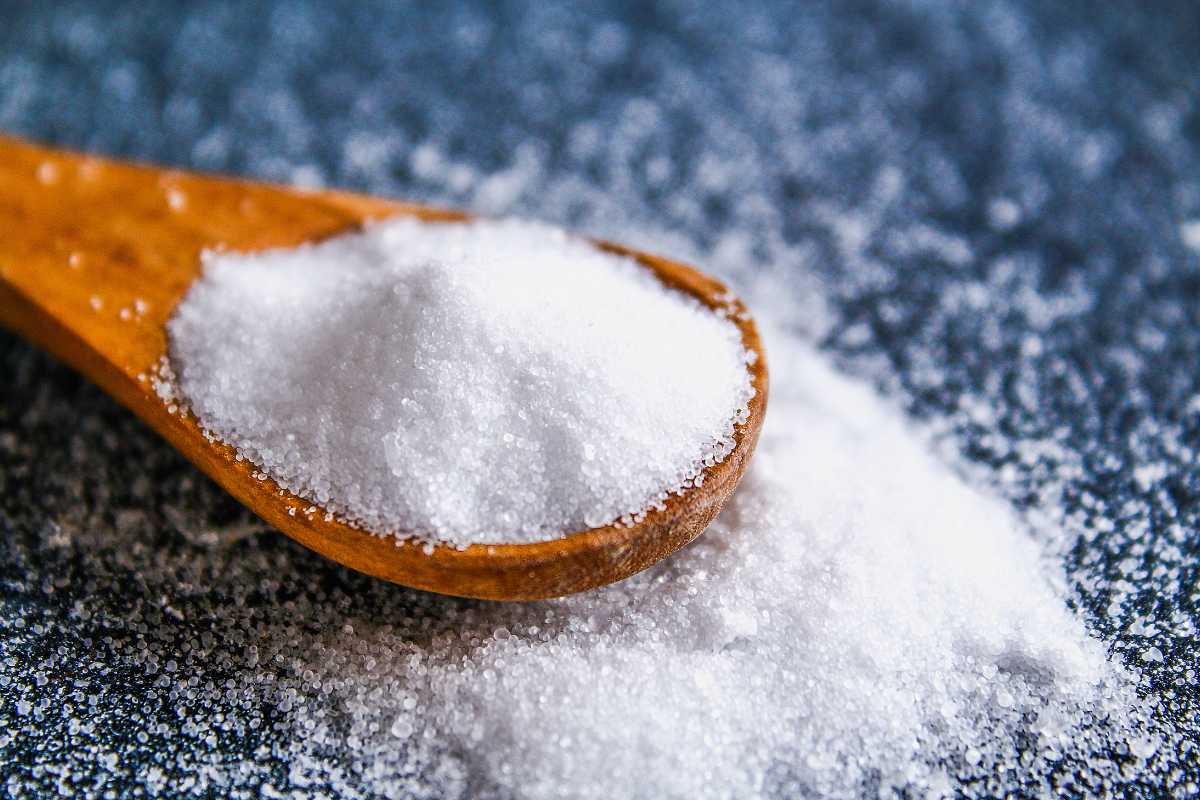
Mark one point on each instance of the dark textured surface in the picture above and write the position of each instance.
(992, 198)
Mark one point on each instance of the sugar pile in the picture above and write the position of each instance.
(857, 620)
(464, 383)
(1003, 249)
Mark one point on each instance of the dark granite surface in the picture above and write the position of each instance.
(994, 199)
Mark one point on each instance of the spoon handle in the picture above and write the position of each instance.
(94, 253)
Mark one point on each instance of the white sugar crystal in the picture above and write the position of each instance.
(857, 613)
(1189, 232)
(1003, 213)
(461, 383)
(47, 173)
(176, 198)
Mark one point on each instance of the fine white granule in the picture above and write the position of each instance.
(858, 621)
(489, 382)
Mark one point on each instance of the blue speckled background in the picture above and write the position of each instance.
(1041, 160)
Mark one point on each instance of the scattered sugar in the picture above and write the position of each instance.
(462, 383)
(176, 198)
(1031, 360)
(858, 621)
(1003, 213)
(47, 173)
(1189, 232)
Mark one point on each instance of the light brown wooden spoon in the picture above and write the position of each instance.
(84, 239)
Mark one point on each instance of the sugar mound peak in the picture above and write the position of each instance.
(489, 382)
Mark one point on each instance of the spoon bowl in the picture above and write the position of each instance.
(94, 256)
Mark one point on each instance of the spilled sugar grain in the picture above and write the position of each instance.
(494, 381)
(857, 620)
(1038, 356)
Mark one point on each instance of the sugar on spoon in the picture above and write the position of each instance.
(83, 240)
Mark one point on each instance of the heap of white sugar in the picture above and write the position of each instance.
(857, 621)
(489, 382)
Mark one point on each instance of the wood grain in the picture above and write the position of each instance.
(94, 256)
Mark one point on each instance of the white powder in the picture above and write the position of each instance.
(463, 383)
(858, 619)
(858, 622)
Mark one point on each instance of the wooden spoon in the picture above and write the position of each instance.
(94, 255)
